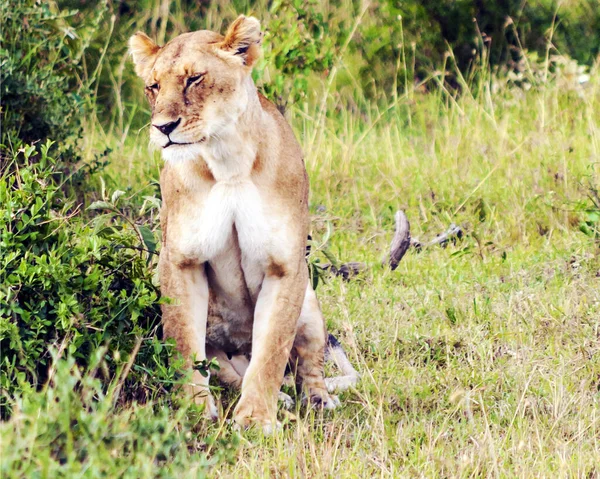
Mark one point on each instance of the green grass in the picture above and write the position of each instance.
(479, 359)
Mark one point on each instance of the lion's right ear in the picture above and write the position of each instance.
(242, 40)
(143, 50)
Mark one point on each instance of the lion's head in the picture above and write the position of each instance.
(197, 84)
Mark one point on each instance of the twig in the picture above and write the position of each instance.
(125, 373)
(346, 270)
(137, 248)
(61, 350)
(442, 239)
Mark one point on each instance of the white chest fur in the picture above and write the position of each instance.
(209, 222)
(234, 203)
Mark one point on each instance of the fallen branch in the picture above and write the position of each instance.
(401, 240)
(453, 233)
(400, 244)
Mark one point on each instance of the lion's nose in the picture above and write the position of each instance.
(167, 128)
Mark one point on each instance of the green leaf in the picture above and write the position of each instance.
(329, 255)
(592, 216)
(116, 195)
(148, 237)
(100, 205)
(314, 276)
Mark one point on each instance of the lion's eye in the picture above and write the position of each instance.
(196, 78)
(153, 87)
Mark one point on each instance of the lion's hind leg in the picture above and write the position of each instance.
(231, 367)
(309, 350)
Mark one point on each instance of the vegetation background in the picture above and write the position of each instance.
(479, 358)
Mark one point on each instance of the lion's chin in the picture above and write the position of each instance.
(177, 153)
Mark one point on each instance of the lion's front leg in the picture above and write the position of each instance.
(185, 321)
(275, 318)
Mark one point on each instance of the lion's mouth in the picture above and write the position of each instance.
(171, 143)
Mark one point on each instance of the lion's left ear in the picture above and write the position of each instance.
(143, 50)
(242, 40)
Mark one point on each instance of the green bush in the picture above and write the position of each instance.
(42, 78)
(298, 44)
(70, 283)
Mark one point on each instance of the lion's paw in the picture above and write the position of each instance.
(332, 402)
(323, 400)
(285, 400)
(247, 414)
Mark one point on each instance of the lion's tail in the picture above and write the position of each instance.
(335, 353)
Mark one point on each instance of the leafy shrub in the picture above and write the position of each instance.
(67, 283)
(298, 43)
(42, 88)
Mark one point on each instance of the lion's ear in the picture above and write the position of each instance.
(143, 50)
(243, 39)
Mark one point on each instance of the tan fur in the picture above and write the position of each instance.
(234, 219)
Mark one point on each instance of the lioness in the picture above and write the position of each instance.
(234, 220)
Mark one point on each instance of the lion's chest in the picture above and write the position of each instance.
(227, 209)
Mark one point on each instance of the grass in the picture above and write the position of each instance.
(479, 359)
